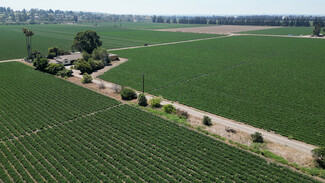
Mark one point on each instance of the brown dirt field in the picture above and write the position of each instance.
(221, 29)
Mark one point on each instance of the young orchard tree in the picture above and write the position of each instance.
(28, 36)
(207, 121)
(257, 137)
(142, 100)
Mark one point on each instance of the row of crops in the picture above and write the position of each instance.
(268, 82)
(125, 144)
(62, 36)
(31, 100)
(295, 31)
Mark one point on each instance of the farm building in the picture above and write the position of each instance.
(68, 59)
(113, 57)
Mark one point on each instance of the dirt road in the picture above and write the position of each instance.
(300, 146)
(14, 60)
(297, 145)
(170, 43)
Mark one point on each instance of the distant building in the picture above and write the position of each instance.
(68, 59)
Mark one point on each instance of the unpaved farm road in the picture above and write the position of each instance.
(297, 145)
(170, 43)
(14, 60)
(300, 146)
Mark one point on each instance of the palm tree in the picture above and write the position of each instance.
(28, 35)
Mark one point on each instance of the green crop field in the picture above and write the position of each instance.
(125, 144)
(131, 25)
(295, 31)
(118, 144)
(268, 82)
(31, 100)
(13, 41)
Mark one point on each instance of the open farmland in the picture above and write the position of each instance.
(220, 29)
(13, 41)
(31, 100)
(268, 82)
(295, 31)
(122, 145)
(132, 25)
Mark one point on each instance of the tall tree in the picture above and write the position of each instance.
(154, 19)
(28, 36)
(86, 41)
(174, 20)
(160, 19)
(317, 29)
(75, 18)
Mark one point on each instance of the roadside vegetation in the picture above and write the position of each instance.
(65, 123)
(240, 78)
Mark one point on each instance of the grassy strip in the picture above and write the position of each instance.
(255, 148)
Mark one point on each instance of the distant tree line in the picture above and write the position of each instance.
(265, 20)
(37, 16)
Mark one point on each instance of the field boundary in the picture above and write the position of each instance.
(273, 137)
(170, 43)
(270, 35)
(269, 160)
(177, 105)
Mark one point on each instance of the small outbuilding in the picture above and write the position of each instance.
(113, 57)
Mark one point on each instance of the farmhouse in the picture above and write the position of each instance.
(68, 59)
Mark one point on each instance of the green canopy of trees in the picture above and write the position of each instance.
(86, 41)
(319, 155)
(55, 51)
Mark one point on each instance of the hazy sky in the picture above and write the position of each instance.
(177, 7)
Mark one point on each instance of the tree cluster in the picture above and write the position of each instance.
(93, 57)
(42, 63)
(260, 20)
(56, 51)
(37, 16)
(319, 155)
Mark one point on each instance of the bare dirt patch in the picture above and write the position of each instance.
(221, 29)
(107, 68)
(290, 154)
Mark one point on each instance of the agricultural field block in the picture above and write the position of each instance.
(132, 25)
(31, 100)
(295, 31)
(125, 144)
(220, 29)
(268, 82)
(13, 40)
